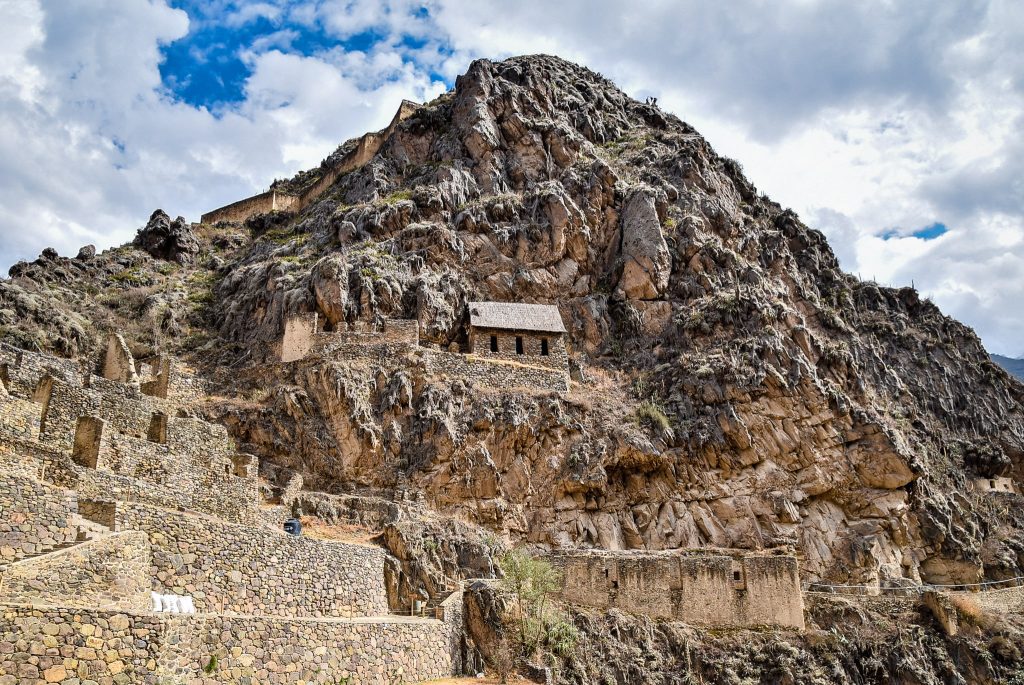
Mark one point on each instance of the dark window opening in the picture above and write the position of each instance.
(158, 428)
(543, 347)
(519, 344)
(88, 433)
(606, 573)
(736, 576)
(227, 469)
(615, 585)
(993, 483)
(328, 327)
(494, 343)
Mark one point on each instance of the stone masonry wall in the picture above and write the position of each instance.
(108, 573)
(250, 206)
(34, 517)
(557, 357)
(699, 588)
(502, 375)
(253, 570)
(266, 650)
(105, 432)
(78, 647)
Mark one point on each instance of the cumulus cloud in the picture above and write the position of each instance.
(873, 120)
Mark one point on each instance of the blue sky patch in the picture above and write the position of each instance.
(206, 68)
(930, 232)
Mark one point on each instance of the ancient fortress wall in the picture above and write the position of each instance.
(231, 568)
(698, 588)
(368, 146)
(108, 573)
(34, 517)
(257, 204)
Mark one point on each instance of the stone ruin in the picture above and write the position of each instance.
(997, 484)
(134, 547)
(510, 346)
(699, 587)
(113, 496)
(273, 200)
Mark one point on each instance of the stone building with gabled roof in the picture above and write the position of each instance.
(528, 333)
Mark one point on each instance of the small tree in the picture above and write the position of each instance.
(531, 581)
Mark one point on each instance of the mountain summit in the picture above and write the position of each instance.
(730, 385)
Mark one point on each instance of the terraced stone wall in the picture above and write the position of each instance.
(34, 517)
(108, 573)
(240, 569)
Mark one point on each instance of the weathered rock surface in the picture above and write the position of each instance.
(166, 239)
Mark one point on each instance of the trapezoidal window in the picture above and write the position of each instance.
(88, 433)
(158, 428)
(739, 579)
(543, 347)
(494, 343)
(519, 344)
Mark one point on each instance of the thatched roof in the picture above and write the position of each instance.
(515, 316)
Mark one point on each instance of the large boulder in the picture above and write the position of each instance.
(647, 263)
(169, 240)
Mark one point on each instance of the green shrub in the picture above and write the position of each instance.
(650, 413)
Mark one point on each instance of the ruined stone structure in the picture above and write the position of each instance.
(110, 491)
(273, 200)
(530, 350)
(997, 484)
(702, 587)
(527, 333)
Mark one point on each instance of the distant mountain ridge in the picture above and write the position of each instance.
(1014, 366)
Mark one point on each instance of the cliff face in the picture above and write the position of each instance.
(733, 386)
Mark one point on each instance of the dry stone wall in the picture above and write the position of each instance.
(701, 588)
(230, 568)
(108, 439)
(77, 646)
(501, 375)
(267, 650)
(557, 358)
(34, 517)
(108, 573)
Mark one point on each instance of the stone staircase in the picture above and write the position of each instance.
(87, 532)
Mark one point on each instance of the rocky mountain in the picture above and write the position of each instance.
(733, 387)
(1014, 366)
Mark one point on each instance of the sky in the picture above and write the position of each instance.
(893, 127)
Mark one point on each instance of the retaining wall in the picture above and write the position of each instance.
(699, 588)
(34, 517)
(77, 646)
(502, 375)
(257, 204)
(231, 568)
(109, 573)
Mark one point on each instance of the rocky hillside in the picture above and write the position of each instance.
(1014, 366)
(733, 387)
